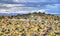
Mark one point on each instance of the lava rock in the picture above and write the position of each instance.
(23, 34)
(3, 29)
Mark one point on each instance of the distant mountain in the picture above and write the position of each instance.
(8, 14)
(14, 14)
(11, 14)
(57, 14)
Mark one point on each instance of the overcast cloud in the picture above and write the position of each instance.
(26, 6)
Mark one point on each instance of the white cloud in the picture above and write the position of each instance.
(18, 1)
(19, 7)
(16, 8)
(11, 5)
(2, 10)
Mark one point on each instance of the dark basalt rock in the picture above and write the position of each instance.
(45, 34)
(16, 28)
(23, 34)
(58, 25)
(35, 35)
(50, 28)
(56, 32)
(3, 29)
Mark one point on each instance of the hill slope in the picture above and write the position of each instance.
(32, 24)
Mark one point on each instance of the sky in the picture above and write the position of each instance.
(30, 6)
